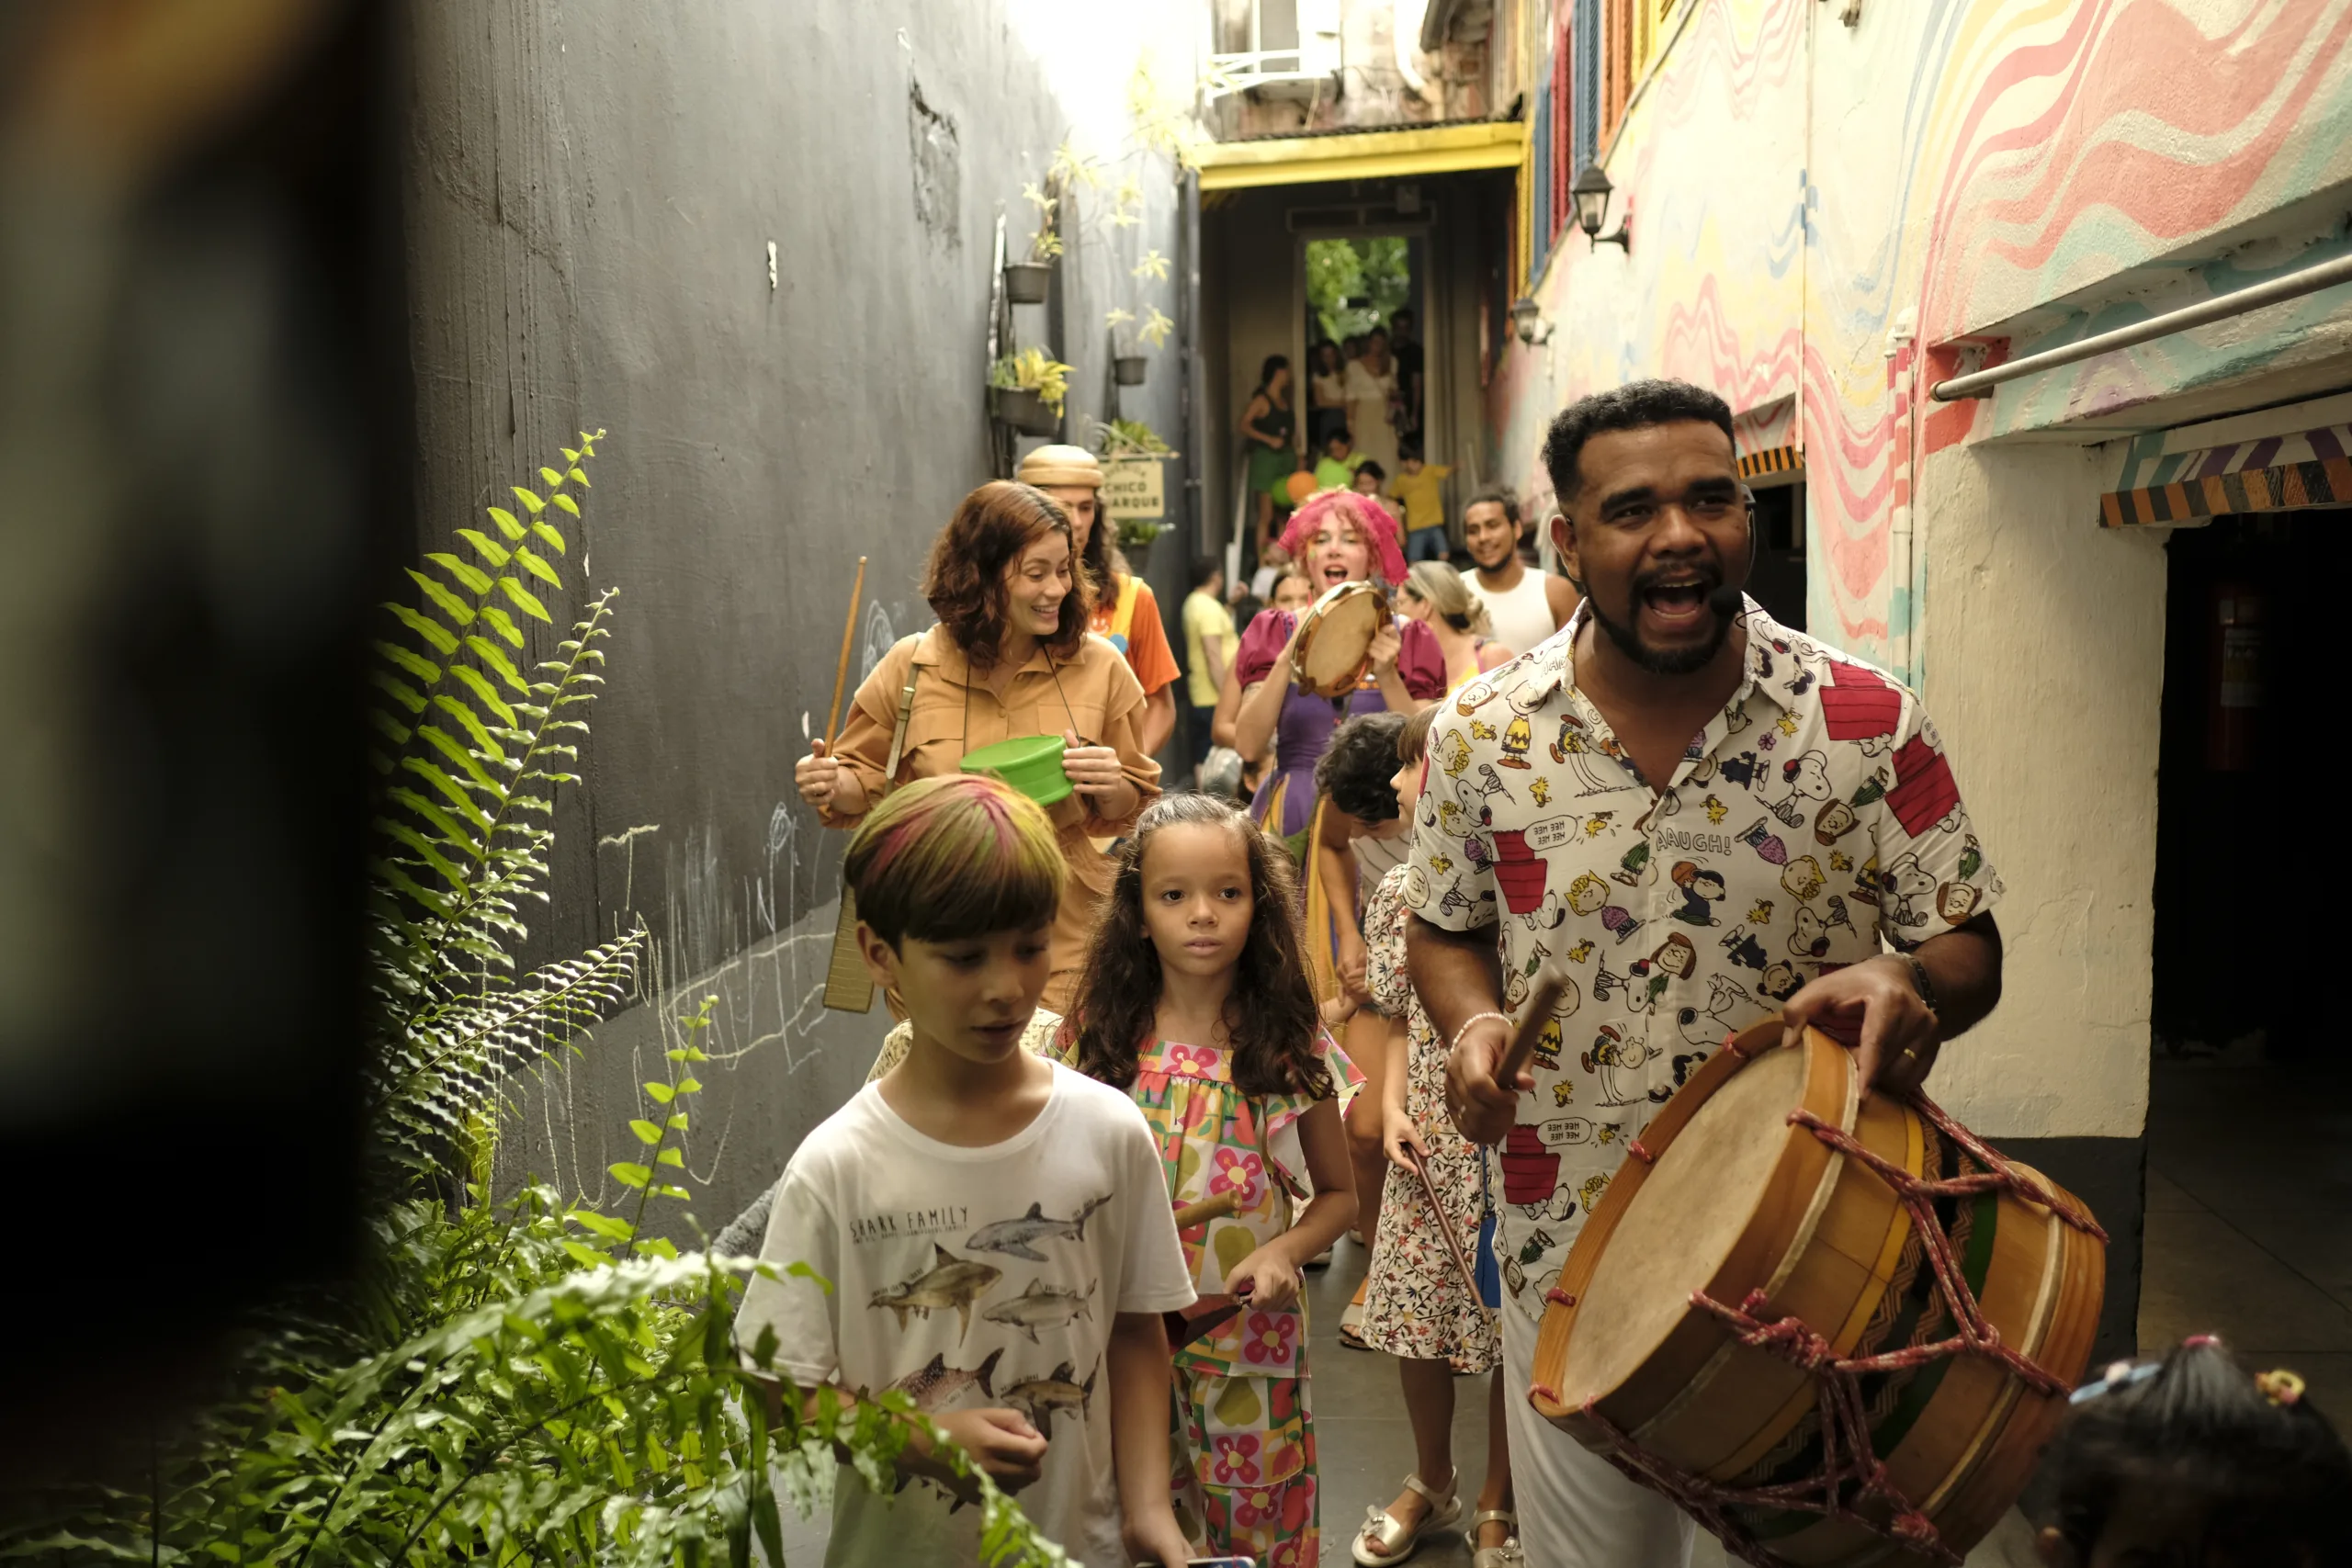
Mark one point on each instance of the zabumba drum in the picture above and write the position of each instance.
(1785, 1290)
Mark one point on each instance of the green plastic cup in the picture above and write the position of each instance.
(1032, 765)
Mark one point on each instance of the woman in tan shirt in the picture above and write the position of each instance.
(1010, 657)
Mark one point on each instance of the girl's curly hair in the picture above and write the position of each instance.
(965, 578)
(1272, 1022)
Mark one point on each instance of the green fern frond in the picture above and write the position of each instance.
(457, 1060)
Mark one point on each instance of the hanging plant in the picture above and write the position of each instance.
(1129, 438)
(1033, 370)
(1151, 325)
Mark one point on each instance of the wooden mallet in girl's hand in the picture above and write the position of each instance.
(849, 987)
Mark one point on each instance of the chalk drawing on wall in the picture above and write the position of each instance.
(879, 638)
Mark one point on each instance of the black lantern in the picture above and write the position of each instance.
(1528, 321)
(1590, 193)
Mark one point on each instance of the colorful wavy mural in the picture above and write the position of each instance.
(2031, 171)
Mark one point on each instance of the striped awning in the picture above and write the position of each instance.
(1772, 460)
(2277, 473)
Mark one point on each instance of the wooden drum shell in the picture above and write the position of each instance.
(1828, 1243)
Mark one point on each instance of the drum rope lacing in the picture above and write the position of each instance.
(1848, 1456)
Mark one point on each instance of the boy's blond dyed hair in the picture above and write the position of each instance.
(948, 859)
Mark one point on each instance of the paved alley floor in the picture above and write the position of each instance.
(2250, 1215)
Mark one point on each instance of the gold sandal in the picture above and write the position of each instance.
(1509, 1554)
(1385, 1539)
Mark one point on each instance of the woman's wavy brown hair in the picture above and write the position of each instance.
(1270, 1020)
(964, 579)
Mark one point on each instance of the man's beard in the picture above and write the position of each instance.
(1662, 660)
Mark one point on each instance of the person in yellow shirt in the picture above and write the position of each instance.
(1416, 493)
(1209, 641)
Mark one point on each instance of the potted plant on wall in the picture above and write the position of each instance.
(1024, 281)
(1127, 368)
(1027, 389)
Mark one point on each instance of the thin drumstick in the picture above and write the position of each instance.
(1540, 1002)
(841, 670)
(1445, 1225)
(1215, 1207)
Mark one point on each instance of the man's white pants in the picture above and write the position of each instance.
(1576, 1509)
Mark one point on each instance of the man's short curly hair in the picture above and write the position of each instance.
(1636, 405)
(965, 580)
(1356, 772)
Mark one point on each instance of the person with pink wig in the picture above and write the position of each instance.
(1339, 536)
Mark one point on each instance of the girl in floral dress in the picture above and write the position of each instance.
(1418, 1308)
(1196, 1000)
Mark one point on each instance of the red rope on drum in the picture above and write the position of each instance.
(1847, 1457)
(1637, 1149)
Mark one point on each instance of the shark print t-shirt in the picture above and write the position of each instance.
(1815, 821)
(971, 1279)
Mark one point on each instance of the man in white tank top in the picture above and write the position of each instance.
(1526, 605)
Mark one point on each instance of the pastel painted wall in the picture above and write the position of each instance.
(1841, 215)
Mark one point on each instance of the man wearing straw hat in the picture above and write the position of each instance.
(1126, 611)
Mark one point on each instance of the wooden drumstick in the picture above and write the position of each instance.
(1216, 1206)
(1549, 984)
(841, 670)
(1445, 1225)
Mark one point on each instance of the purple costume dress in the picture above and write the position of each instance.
(1286, 801)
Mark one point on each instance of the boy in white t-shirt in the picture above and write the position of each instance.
(995, 1226)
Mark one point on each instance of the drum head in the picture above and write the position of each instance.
(1335, 643)
(1692, 1209)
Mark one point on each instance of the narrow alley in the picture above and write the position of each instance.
(946, 780)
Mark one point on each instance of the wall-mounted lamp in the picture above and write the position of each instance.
(1528, 323)
(1590, 193)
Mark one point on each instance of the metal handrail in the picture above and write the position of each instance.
(2294, 285)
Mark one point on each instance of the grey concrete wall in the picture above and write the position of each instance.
(592, 189)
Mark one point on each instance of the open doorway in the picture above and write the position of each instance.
(1365, 306)
(2249, 1192)
(1777, 581)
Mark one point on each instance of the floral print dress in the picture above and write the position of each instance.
(1242, 1430)
(1418, 1304)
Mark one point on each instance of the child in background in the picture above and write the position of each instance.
(989, 1220)
(1366, 480)
(1356, 803)
(2194, 1462)
(1337, 467)
(1196, 1002)
(1419, 1309)
(1417, 491)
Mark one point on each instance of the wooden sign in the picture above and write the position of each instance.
(1134, 490)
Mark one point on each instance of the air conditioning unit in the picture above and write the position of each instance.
(1277, 47)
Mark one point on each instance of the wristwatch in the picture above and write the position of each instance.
(1921, 983)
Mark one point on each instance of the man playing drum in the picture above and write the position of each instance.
(1701, 817)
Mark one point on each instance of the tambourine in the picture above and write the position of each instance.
(1334, 646)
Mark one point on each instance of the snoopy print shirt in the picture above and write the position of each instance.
(1814, 817)
(971, 1279)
